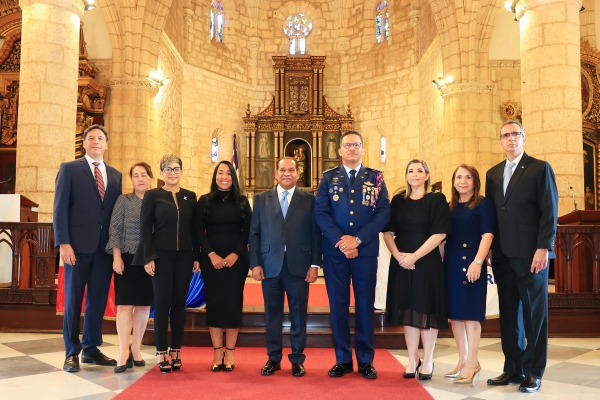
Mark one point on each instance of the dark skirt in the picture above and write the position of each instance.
(134, 287)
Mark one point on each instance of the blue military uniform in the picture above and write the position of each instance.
(361, 209)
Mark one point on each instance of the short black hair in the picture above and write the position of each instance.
(287, 158)
(96, 126)
(350, 133)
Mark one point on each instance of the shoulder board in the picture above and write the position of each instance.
(373, 169)
(331, 169)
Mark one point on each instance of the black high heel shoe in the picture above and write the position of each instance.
(135, 362)
(128, 364)
(408, 375)
(130, 359)
(425, 377)
(218, 367)
(164, 366)
(175, 362)
(228, 367)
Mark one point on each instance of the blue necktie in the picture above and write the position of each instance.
(352, 176)
(284, 203)
(507, 175)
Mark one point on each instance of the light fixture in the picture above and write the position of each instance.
(449, 79)
(155, 78)
(442, 82)
(89, 5)
(511, 5)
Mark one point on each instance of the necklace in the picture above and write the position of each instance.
(224, 198)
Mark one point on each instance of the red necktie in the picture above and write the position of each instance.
(99, 180)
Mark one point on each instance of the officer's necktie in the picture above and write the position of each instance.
(284, 203)
(508, 171)
(352, 176)
(99, 180)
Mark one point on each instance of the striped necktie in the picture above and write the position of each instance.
(99, 180)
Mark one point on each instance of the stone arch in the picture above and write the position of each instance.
(225, 144)
(111, 17)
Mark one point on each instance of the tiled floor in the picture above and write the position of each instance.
(30, 368)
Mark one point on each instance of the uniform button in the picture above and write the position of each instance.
(351, 223)
(351, 201)
(464, 245)
(464, 270)
(464, 282)
(464, 257)
(352, 191)
(351, 212)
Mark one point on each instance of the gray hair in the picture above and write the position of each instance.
(169, 159)
(513, 122)
(96, 126)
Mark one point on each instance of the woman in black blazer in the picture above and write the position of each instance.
(168, 251)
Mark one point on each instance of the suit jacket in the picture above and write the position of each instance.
(527, 215)
(339, 210)
(298, 233)
(81, 218)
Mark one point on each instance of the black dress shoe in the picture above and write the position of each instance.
(339, 369)
(409, 375)
(298, 369)
(71, 364)
(98, 359)
(505, 379)
(270, 367)
(139, 363)
(367, 370)
(425, 377)
(530, 385)
(120, 368)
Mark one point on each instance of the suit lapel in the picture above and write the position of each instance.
(362, 176)
(112, 180)
(273, 200)
(295, 200)
(519, 169)
(88, 172)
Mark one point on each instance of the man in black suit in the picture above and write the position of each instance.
(86, 191)
(524, 192)
(285, 255)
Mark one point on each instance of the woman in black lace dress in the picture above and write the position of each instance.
(222, 225)
(419, 222)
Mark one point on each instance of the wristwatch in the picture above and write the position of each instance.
(358, 240)
(479, 262)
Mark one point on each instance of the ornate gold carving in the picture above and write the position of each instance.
(330, 112)
(9, 7)
(269, 111)
(510, 110)
(9, 101)
(588, 53)
(90, 95)
(468, 87)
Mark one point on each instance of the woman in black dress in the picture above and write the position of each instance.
(473, 220)
(415, 296)
(168, 251)
(222, 227)
(133, 287)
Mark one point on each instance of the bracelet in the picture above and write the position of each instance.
(478, 262)
(212, 252)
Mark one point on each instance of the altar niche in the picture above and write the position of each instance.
(297, 123)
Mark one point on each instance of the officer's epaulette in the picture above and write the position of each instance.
(373, 169)
(331, 169)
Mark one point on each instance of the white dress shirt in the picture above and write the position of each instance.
(517, 160)
(102, 167)
(348, 169)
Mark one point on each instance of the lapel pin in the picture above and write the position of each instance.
(185, 198)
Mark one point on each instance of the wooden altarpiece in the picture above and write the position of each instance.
(298, 123)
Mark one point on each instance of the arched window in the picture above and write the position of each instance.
(297, 28)
(216, 21)
(382, 22)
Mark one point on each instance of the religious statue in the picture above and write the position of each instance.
(262, 177)
(300, 158)
(263, 146)
(331, 147)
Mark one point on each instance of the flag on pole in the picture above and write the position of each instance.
(234, 157)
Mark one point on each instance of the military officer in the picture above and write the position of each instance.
(351, 208)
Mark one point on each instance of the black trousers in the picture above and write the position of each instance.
(523, 303)
(171, 283)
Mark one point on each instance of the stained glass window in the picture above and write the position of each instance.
(382, 22)
(297, 28)
(216, 21)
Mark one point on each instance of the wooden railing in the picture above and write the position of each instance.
(577, 264)
(34, 262)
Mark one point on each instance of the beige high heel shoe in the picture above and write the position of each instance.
(462, 379)
(454, 374)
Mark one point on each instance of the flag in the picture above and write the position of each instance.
(234, 157)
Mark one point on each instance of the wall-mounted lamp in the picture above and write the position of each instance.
(89, 5)
(155, 78)
(441, 82)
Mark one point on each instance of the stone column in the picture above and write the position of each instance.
(47, 96)
(253, 62)
(551, 90)
(131, 127)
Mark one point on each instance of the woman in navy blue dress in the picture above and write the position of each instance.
(473, 225)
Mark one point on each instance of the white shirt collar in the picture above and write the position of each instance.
(280, 191)
(348, 169)
(516, 160)
(91, 161)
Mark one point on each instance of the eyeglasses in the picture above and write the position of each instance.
(169, 170)
(351, 145)
(514, 135)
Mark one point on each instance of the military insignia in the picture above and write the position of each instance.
(336, 197)
(341, 190)
(330, 190)
(368, 183)
(335, 180)
(185, 198)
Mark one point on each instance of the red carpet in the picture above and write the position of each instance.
(196, 381)
(317, 295)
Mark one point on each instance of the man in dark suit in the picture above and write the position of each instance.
(285, 254)
(351, 208)
(524, 192)
(86, 191)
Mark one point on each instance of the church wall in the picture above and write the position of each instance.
(175, 26)
(431, 117)
(427, 27)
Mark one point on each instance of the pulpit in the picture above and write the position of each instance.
(577, 248)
